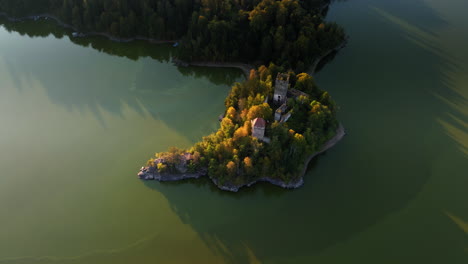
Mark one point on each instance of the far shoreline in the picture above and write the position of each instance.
(87, 34)
(244, 67)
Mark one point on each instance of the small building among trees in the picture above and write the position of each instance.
(258, 128)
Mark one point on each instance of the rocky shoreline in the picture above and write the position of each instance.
(147, 173)
(280, 183)
(150, 173)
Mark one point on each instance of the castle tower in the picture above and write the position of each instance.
(281, 88)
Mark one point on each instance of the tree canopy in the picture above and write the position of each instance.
(289, 33)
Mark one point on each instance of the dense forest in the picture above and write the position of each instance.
(289, 33)
(232, 156)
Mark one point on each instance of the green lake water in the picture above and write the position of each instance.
(79, 118)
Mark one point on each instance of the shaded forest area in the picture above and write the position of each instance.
(289, 33)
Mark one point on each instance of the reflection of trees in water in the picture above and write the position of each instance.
(237, 225)
(131, 50)
(33, 29)
(141, 78)
(326, 60)
(272, 223)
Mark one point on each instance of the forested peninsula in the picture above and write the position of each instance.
(274, 123)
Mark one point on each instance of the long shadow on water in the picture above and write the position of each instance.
(139, 75)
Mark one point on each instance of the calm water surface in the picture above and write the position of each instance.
(77, 120)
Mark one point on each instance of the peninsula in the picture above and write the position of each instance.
(274, 123)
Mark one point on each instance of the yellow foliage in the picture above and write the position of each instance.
(263, 70)
(299, 137)
(303, 77)
(231, 165)
(241, 132)
(244, 113)
(317, 107)
(263, 110)
(231, 113)
(162, 167)
(253, 74)
(150, 162)
(248, 162)
(254, 112)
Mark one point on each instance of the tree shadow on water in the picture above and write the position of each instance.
(138, 75)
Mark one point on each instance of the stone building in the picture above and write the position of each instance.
(281, 88)
(293, 93)
(258, 128)
(280, 112)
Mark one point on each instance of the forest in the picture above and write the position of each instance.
(232, 156)
(289, 33)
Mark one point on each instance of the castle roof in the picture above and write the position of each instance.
(258, 123)
(296, 93)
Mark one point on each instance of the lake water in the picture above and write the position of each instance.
(78, 119)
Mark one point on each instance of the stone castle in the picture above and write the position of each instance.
(281, 88)
(280, 97)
